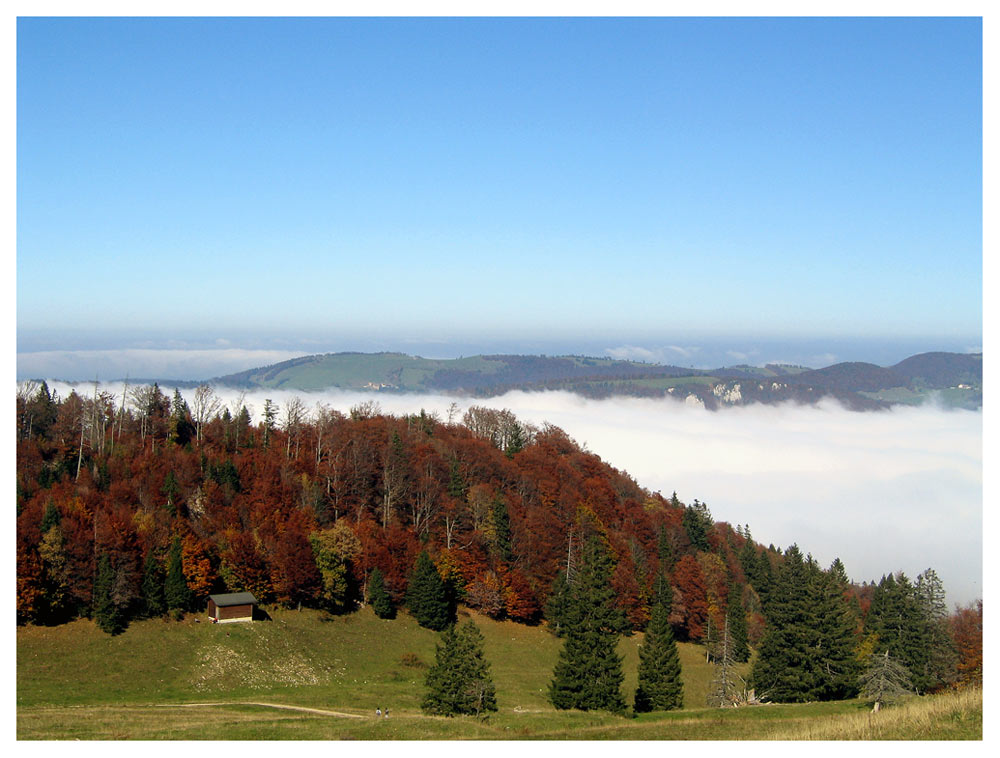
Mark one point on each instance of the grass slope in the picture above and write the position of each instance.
(188, 680)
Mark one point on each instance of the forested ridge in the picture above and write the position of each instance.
(143, 505)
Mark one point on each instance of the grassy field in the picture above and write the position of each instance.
(188, 680)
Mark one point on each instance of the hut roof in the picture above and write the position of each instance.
(233, 598)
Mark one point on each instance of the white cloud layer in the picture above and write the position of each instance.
(886, 491)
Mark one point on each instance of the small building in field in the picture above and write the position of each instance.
(233, 606)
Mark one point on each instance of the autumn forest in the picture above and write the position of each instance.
(144, 504)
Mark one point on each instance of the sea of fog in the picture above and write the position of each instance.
(897, 490)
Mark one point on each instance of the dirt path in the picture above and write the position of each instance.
(263, 705)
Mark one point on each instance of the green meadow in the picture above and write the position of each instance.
(306, 675)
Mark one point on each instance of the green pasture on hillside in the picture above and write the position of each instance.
(194, 680)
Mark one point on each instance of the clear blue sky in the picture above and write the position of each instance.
(474, 181)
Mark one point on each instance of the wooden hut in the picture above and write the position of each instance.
(233, 606)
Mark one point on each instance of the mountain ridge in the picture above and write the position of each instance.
(954, 379)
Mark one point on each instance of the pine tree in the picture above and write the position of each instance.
(427, 596)
(109, 616)
(175, 588)
(697, 522)
(909, 621)
(885, 680)
(942, 655)
(181, 428)
(588, 674)
(783, 670)
(558, 604)
(807, 651)
(660, 686)
(724, 689)
(460, 681)
(836, 637)
(379, 596)
(737, 624)
(51, 517)
(153, 599)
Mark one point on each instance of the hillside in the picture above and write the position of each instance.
(950, 378)
(312, 676)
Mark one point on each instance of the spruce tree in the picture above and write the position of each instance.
(109, 616)
(724, 689)
(427, 596)
(903, 616)
(460, 681)
(558, 604)
(379, 596)
(807, 651)
(737, 625)
(51, 517)
(697, 522)
(783, 670)
(153, 599)
(836, 637)
(660, 686)
(175, 588)
(588, 674)
(885, 680)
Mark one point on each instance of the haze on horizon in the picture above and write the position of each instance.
(460, 184)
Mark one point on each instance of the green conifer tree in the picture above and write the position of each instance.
(885, 680)
(379, 596)
(51, 517)
(783, 671)
(558, 604)
(697, 522)
(460, 681)
(737, 625)
(588, 674)
(427, 595)
(660, 686)
(109, 616)
(153, 599)
(175, 589)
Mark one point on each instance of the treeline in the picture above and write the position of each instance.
(142, 504)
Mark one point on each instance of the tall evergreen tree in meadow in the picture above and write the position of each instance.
(588, 674)
(109, 615)
(379, 596)
(806, 653)
(836, 638)
(660, 686)
(557, 607)
(427, 595)
(175, 588)
(724, 690)
(903, 616)
(737, 624)
(783, 671)
(942, 657)
(885, 680)
(154, 601)
(460, 681)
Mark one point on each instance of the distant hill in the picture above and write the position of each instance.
(953, 379)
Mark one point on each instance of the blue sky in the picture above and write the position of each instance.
(441, 185)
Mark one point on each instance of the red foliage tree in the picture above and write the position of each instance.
(691, 586)
(967, 633)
